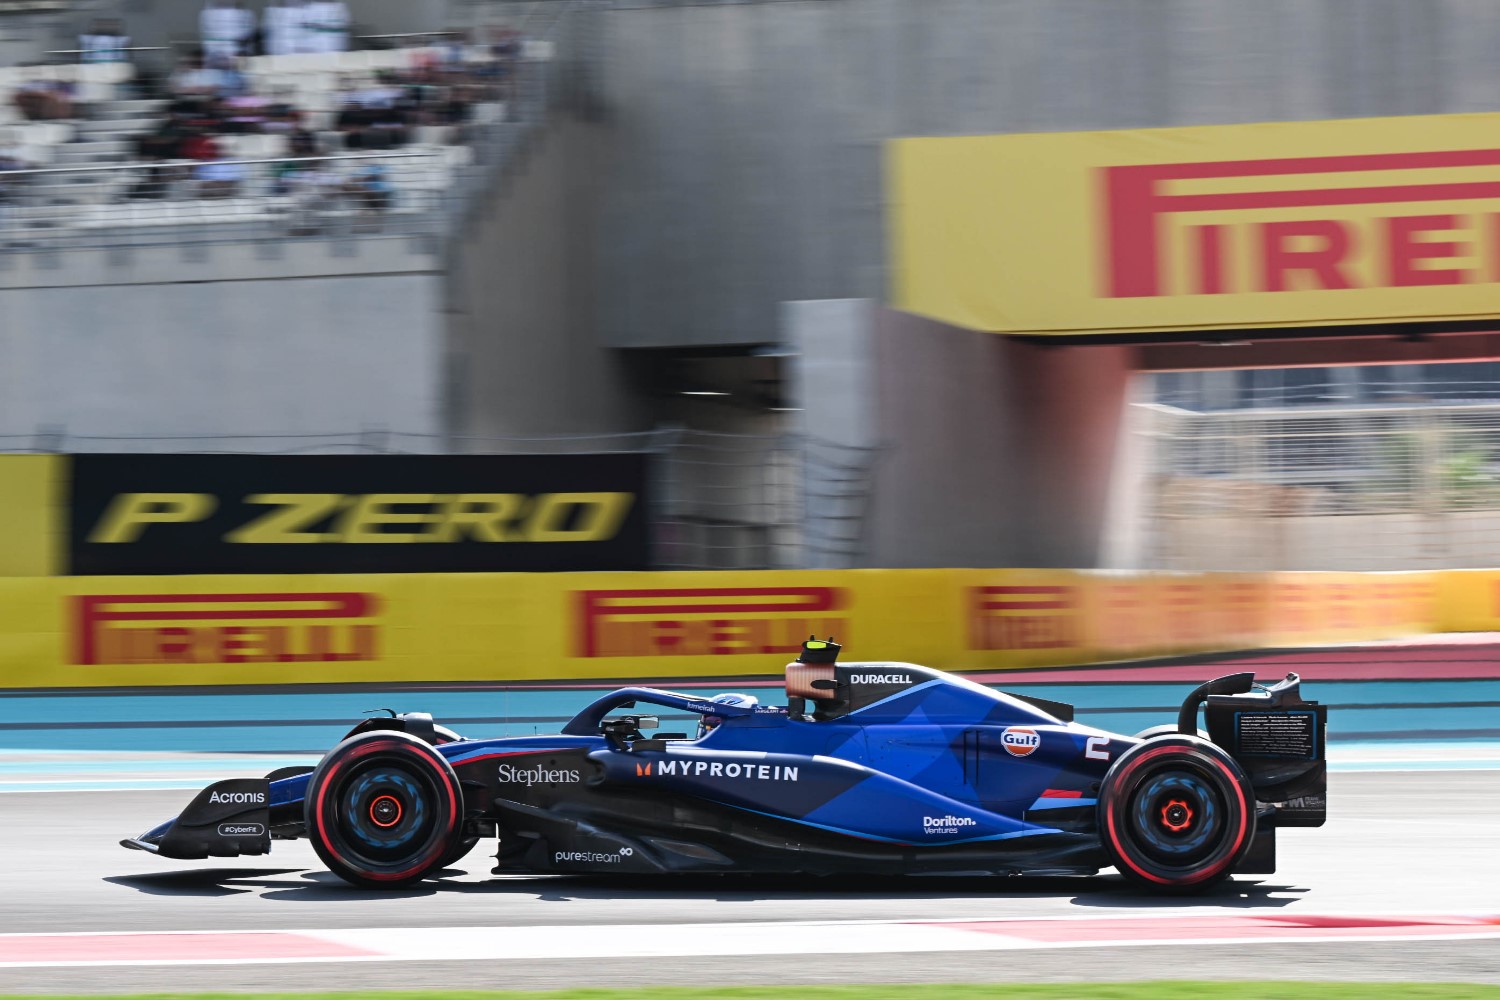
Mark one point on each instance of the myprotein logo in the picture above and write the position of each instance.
(1382, 220)
(730, 770)
(710, 621)
(237, 798)
(225, 628)
(946, 824)
(1019, 741)
(511, 775)
(1024, 617)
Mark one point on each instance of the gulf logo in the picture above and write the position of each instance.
(1020, 742)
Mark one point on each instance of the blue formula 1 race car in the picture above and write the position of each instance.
(880, 768)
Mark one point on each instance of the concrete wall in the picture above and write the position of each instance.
(523, 357)
(226, 343)
(995, 453)
(992, 452)
(744, 159)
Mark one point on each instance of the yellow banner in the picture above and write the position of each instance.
(1468, 601)
(206, 630)
(31, 539)
(1281, 224)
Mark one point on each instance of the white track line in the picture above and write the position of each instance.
(425, 944)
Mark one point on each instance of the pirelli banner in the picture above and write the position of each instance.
(290, 629)
(180, 514)
(1270, 225)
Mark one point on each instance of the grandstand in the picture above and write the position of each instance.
(297, 140)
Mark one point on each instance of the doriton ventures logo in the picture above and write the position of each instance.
(225, 628)
(946, 824)
(710, 621)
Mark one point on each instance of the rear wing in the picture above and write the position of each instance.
(1278, 738)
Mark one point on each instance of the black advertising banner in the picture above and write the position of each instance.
(148, 514)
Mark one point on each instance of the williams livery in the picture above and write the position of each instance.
(871, 767)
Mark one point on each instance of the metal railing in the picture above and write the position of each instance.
(228, 200)
(1376, 486)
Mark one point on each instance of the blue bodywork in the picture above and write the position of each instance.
(925, 766)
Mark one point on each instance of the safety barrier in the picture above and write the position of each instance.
(289, 629)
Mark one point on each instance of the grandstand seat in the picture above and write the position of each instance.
(94, 92)
(489, 112)
(118, 72)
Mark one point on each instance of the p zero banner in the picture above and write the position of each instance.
(178, 514)
(1270, 225)
(343, 629)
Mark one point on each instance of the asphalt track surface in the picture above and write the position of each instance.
(1414, 828)
(1396, 842)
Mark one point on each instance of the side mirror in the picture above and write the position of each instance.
(647, 722)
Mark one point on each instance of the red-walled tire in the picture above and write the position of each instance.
(1176, 814)
(383, 809)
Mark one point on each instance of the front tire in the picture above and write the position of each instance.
(383, 809)
(1176, 814)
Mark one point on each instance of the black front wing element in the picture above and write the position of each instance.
(227, 819)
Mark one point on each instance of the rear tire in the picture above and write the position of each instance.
(384, 809)
(1176, 814)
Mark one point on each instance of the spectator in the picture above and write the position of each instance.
(370, 190)
(303, 143)
(327, 26)
(104, 42)
(227, 28)
(219, 179)
(194, 78)
(285, 26)
(198, 146)
(44, 100)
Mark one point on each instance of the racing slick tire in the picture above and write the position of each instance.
(384, 808)
(1176, 814)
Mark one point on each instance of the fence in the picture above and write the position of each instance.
(1368, 487)
(721, 501)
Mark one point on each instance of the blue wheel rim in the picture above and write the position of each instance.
(1177, 816)
(384, 813)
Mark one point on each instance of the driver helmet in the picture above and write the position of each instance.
(708, 723)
